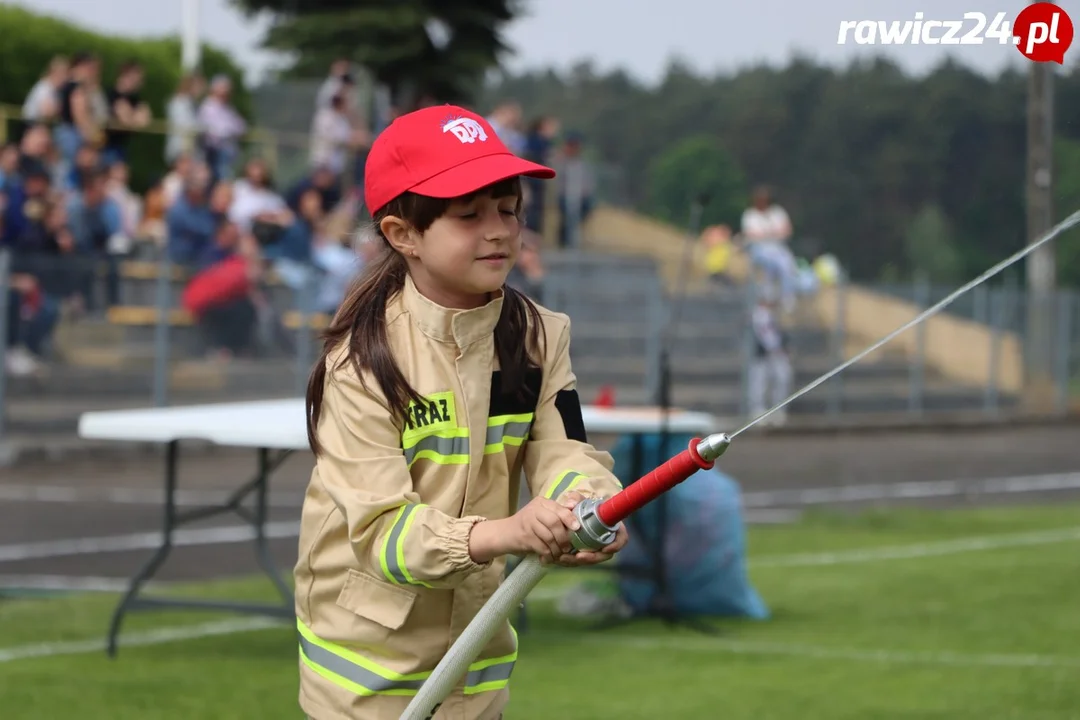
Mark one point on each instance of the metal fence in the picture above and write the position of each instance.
(133, 344)
(1002, 312)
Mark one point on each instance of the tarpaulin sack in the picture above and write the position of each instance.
(704, 539)
(219, 284)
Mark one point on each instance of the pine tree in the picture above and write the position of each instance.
(391, 39)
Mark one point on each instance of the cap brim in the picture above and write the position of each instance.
(478, 173)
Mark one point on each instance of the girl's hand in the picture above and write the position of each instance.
(591, 557)
(594, 557)
(541, 527)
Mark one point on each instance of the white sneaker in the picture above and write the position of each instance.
(18, 361)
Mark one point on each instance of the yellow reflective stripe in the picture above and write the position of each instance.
(445, 447)
(491, 674)
(361, 676)
(352, 672)
(503, 430)
(565, 482)
(504, 419)
(392, 557)
(436, 414)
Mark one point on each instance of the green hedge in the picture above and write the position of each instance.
(31, 40)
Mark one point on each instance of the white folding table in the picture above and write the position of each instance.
(274, 429)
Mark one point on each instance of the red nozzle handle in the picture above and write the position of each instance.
(639, 494)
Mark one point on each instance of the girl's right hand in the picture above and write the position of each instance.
(542, 528)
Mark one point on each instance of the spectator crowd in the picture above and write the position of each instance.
(69, 217)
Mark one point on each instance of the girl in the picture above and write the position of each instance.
(437, 386)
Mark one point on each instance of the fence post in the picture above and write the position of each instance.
(747, 346)
(917, 387)
(163, 300)
(835, 403)
(1064, 349)
(656, 311)
(997, 319)
(5, 298)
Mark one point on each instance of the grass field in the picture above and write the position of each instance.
(886, 615)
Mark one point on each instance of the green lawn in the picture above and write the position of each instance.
(972, 614)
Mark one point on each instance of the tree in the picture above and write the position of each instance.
(696, 167)
(930, 247)
(855, 153)
(32, 39)
(394, 40)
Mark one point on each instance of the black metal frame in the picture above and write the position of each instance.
(268, 462)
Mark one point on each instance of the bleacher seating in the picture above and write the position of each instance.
(617, 328)
(618, 304)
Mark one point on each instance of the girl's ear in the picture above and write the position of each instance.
(399, 234)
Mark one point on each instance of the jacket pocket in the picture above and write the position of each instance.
(383, 604)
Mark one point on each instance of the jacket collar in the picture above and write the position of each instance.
(462, 327)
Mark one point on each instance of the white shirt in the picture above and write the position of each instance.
(43, 91)
(221, 123)
(183, 125)
(771, 224)
(330, 134)
(250, 201)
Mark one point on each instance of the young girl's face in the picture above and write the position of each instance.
(468, 252)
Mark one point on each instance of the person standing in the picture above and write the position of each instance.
(770, 367)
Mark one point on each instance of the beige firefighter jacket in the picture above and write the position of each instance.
(384, 580)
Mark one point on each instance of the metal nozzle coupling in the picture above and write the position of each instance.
(713, 446)
(594, 533)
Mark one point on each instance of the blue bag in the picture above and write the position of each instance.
(704, 543)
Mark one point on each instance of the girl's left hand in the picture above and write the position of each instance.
(591, 557)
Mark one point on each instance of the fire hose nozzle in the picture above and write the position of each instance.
(713, 446)
(594, 533)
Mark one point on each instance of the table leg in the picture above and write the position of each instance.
(173, 519)
(147, 571)
(262, 547)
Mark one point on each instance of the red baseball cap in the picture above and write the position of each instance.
(443, 151)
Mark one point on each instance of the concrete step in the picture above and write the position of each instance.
(121, 356)
(54, 405)
(626, 338)
(624, 306)
(727, 368)
(140, 291)
(138, 327)
(74, 383)
(725, 399)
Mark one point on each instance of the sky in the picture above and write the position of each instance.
(640, 36)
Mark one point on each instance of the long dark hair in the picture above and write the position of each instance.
(361, 319)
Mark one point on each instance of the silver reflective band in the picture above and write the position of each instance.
(391, 553)
(366, 679)
(517, 430)
(440, 446)
(564, 484)
(493, 673)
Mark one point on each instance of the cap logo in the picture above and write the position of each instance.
(465, 129)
